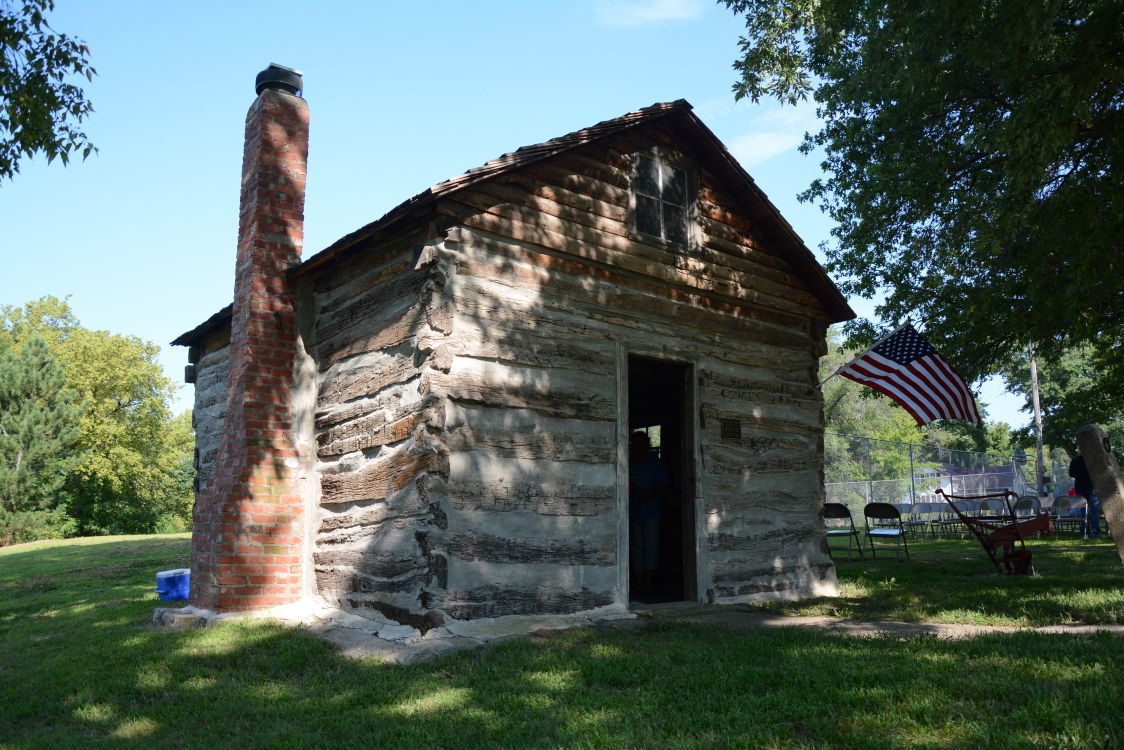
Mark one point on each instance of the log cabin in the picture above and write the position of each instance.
(430, 418)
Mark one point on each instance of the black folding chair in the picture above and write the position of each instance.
(839, 513)
(887, 526)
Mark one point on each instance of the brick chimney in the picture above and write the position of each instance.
(247, 539)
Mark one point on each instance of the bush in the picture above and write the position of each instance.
(31, 525)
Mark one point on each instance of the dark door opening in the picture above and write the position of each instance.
(662, 554)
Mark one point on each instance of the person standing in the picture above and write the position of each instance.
(648, 484)
(1083, 484)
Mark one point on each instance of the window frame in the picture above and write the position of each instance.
(691, 230)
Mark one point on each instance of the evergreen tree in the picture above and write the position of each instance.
(39, 437)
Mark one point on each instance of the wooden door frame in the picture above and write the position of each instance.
(689, 456)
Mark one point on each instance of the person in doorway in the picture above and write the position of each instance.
(648, 485)
(1083, 484)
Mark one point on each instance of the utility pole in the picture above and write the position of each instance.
(1041, 468)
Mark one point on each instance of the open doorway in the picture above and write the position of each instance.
(662, 554)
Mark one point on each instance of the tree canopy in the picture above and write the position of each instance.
(1071, 396)
(40, 109)
(135, 471)
(971, 151)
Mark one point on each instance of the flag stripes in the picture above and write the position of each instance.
(905, 367)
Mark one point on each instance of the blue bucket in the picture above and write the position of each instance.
(173, 585)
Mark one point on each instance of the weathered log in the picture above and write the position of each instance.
(601, 242)
(756, 392)
(364, 520)
(527, 444)
(383, 563)
(390, 333)
(767, 544)
(1104, 470)
(339, 387)
(361, 277)
(400, 399)
(561, 178)
(757, 583)
(520, 346)
(684, 286)
(371, 255)
(720, 459)
(343, 582)
(381, 477)
(548, 274)
(714, 205)
(500, 601)
(765, 423)
(386, 411)
(520, 395)
(524, 191)
(620, 306)
(776, 500)
(371, 432)
(590, 163)
(542, 498)
(383, 300)
(582, 199)
(471, 547)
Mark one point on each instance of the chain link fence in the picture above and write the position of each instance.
(860, 470)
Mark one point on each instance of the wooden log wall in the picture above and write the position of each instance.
(468, 415)
(212, 377)
(548, 282)
(374, 428)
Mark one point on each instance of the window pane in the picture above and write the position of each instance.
(648, 215)
(675, 186)
(647, 176)
(675, 224)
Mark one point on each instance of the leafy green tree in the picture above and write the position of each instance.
(40, 111)
(136, 470)
(972, 150)
(123, 484)
(1071, 393)
(39, 439)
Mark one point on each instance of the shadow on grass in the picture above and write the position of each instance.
(92, 673)
(951, 580)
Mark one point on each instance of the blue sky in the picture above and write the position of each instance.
(402, 95)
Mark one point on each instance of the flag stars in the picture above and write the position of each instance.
(905, 346)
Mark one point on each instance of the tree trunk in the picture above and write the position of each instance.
(1105, 473)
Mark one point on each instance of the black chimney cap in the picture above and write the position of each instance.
(279, 78)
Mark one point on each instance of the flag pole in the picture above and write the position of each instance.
(838, 370)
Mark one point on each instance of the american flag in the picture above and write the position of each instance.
(906, 367)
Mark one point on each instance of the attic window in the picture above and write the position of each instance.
(661, 193)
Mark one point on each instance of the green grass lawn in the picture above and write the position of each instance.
(81, 667)
(951, 580)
